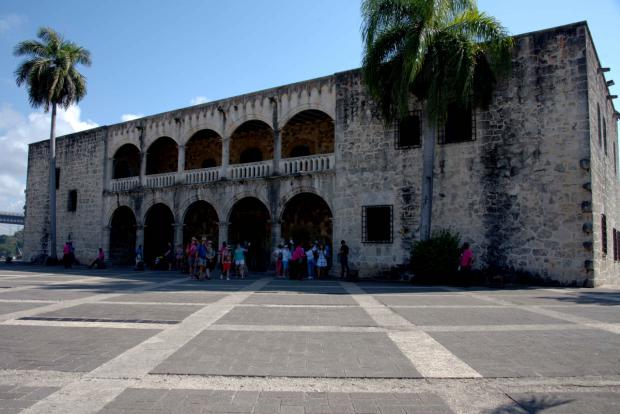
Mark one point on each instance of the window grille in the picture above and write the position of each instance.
(604, 233)
(460, 126)
(408, 131)
(377, 224)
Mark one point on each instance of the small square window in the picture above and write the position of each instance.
(72, 202)
(57, 178)
(377, 224)
(604, 233)
(460, 126)
(409, 131)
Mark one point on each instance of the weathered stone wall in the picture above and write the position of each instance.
(80, 159)
(604, 175)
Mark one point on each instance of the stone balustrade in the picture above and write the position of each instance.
(203, 175)
(250, 170)
(125, 184)
(311, 163)
(161, 180)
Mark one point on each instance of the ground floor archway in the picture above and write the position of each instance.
(250, 222)
(158, 232)
(201, 220)
(122, 236)
(307, 218)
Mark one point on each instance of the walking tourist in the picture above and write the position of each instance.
(297, 263)
(191, 258)
(179, 258)
(286, 257)
(239, 257)
(321, 262)
(99, 261)
(310, 262)
(139, 258)
(211, 259)
(221, 254)
(66, 255)
(169, 255)
(343, 256)
(278, 256)
(226, 261)
(465, 264)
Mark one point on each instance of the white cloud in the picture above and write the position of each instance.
(130, 117)
(11, 21)
(16, 132)
(197, 100)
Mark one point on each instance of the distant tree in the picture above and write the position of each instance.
(444, 52)
(52, 80)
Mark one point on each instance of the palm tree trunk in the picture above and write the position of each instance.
(428, 165)
(52, 188)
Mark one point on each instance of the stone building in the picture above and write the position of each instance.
(531, 181)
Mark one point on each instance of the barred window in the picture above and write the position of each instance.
(604, 233)
(409, 131)
(377, 224)
(72, 202)
(460, 126)
(598, 124)
(605, 135)
(615, 244)
(57, 178)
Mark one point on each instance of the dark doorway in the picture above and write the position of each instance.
(201, 220)
(307, 218)
(158, 232)
(250, 222)
(122, 236)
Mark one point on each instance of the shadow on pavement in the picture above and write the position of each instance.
(532, 405)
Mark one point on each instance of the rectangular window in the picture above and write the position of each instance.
(72, 202)
(605, 135)
(615, 244)
(598, 124)
(604, 233)
(459, 127)
(409, 131)
(377, 224)
(57, 178)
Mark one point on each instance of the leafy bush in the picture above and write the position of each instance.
(436, 260)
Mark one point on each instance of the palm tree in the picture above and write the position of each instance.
(52, 80)
(443, 52)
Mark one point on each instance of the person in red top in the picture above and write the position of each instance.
(297, 262)
(465, 264)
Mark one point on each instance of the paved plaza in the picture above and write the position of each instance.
(118, 341)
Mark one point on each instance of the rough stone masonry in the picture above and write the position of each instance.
(533, 186)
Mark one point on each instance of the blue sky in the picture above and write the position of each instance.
(151, 56)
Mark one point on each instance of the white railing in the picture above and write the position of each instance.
(204, 175)
(250, 170)
(311, 163)
(125, 184)
(161, 180)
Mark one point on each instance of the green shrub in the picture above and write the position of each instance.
(436, 260)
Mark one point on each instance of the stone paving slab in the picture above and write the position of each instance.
(402, 289)
(304, 287)
(299, 299)
(292, 354)
(552, 300)
(297, 316)
(15, 398)
(474, 316)
(170, 297)
(536, 353)
(10, 307)
(64, 349)
(564, 403)
(48, 278)
(607, 314)
(45, 294)
(103, 311)
(431, 300)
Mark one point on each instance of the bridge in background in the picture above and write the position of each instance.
(11, 218)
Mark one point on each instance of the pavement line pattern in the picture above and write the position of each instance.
(428, 356)
(99, 387)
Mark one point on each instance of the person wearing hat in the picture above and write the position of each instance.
(191, 258)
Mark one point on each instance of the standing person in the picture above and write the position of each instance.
(278, 256)
(211, 258)
(71, 254)
(343, 255)
(201, 258)
(328, 255)
(239, 257)
(286, 257)
(321, 263)
(310, 262)
(226, 263)
(191, 258)
(179, 258)
(66, 255)
(222, 252)
(297, 263)
(465, 264)
(139, 258)
(99, 261)
(169, 255)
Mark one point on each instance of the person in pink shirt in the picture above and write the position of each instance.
(297, 262)
(465, 264)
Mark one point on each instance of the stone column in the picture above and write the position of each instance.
(181, 165)
(140, 236)
(277, 151)
(143, 169)
(106, 242)
(109, 173)
(178, 235)
(225, 157)
(223, 233)
(276, 234)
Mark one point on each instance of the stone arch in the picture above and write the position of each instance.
(308, 132)
(126, 161)
(197, 128)
(236, 123)
(252, 135)
(158, 231)
(250, 221)
(285, 118)
(122, 236)
(162, 156)
(307, 217)
(300, 190)
(200, 218)
(204, 145)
